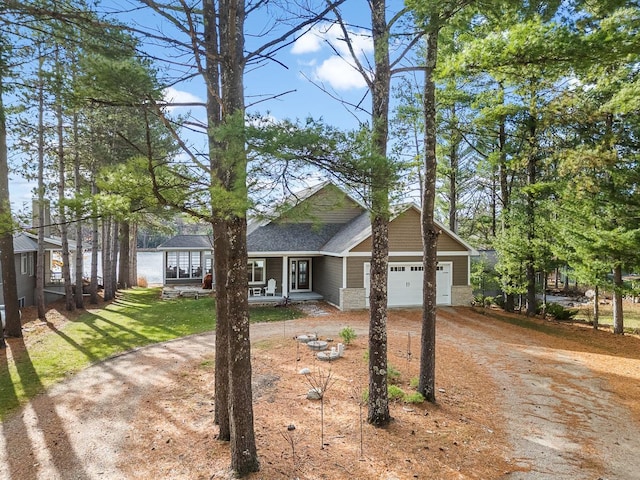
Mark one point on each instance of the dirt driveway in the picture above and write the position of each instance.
(550, 402)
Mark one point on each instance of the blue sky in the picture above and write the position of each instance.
(310, 59)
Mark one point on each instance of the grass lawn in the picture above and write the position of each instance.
(630, 313)
(136, 319)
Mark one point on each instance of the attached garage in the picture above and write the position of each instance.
(405, 283)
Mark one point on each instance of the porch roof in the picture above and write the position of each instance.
(23, 244)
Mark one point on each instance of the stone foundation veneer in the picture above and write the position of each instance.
(461, 295)
(352, 299)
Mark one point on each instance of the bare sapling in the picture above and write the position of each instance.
(321, 382)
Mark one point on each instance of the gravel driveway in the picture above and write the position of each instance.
(563, 421)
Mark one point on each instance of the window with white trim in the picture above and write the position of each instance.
(255, 270)
(396, 269)
(24, 263)
(416, 268)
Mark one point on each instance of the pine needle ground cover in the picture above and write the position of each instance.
(52, 351)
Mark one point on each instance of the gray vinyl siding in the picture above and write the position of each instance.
(25, 283)
(329, 205)
(274, 270)
(327, 278)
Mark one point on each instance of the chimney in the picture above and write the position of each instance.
(45, 224)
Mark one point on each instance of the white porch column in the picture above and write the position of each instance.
(285, 276)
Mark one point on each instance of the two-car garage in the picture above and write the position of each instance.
(405, 284)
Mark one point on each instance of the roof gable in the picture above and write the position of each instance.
(405, 235)
(328, 204)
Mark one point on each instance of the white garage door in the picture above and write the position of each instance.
(405, 284)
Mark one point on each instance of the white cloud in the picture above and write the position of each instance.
(339, 74)
(307, 43)
(337, 70)
(173, 95)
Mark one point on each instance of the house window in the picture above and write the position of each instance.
(196, 267)
(32, 265)
(24, 263)
(255, 270)
(396, 269)
(172, 265)
(21, 302)
(417, 269)
(183, 265)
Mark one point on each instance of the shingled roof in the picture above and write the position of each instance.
(187, 242)
(291, 237)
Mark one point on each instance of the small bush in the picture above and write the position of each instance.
(395, 393)
(347, 334)
(559, 312)
(415, 397)
(393, 374)
(413, 383)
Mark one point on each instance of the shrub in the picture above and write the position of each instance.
(415, 397)
(559, 312)
(395, 393)
(413, 383)
(393, 374)
(347, 334)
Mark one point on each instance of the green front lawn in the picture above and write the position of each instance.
(630, 314)
(138, 318)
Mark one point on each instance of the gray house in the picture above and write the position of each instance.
(320, 248)
(25, 249)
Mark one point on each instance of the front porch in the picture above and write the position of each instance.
(296, 297)
(196, 291)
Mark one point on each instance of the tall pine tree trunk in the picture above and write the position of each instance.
(107, 259)
(244, 456)
(95, 245)
(596, 307)
(114, 257)
(220, 264)
(133, 254)
(123, 251)
(219, 227)
(62, 208)
(530, 269)
(7, 258)
(79, 244)
(378, 403)
(618, 285)
(505, 192)
(42, 218)
(430, 232)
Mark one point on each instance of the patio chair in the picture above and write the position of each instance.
(271, 288)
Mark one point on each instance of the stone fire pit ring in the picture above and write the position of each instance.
(317, 345)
